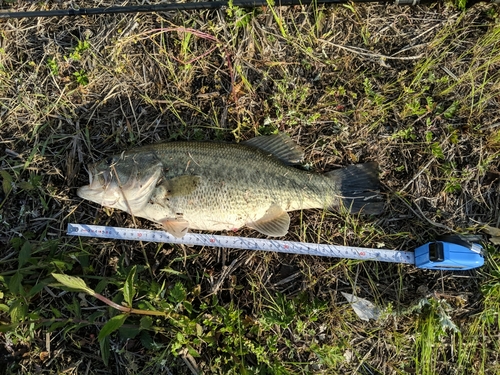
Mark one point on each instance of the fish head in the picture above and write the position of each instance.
(123, 181)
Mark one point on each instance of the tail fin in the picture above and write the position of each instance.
(359, 188)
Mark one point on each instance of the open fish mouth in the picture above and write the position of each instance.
(98, 182)
(98, 188)
(128, 191)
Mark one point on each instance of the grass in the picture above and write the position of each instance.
(415, 89)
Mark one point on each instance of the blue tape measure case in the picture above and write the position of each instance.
(449, 253)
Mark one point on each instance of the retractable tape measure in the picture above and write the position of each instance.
(450, 252)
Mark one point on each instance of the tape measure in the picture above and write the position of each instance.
(450, 253)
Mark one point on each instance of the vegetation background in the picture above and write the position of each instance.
(416, 89)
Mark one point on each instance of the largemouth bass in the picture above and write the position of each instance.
(225, 186)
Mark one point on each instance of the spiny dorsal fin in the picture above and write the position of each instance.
(280, 146)
(274, 223)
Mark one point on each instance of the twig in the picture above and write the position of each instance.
(364, 52)
(439, 225)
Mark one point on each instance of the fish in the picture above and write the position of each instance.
(212, 186)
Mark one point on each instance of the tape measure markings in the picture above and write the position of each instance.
(196, 239)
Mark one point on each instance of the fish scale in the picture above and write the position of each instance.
(232, 191)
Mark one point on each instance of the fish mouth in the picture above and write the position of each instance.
(97, 189)
(97, 184)
(105, 189)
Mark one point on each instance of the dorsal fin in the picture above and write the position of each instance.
(279, 145)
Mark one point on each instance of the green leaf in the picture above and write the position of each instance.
(26, 185)
(6, 182)
(188, 306)
(37, 288)
(146, 340)
(73, 283)
(24, 254)
(128, 288)
(101, 285)
(451, 110)
(92, 318)
(112, 325)
(15, 281)
(192, 351)
(146, 322)
(178, 293)
(104, 344)
(7, 327)
(428, 136)
(437, 151)
(18, 311)
(55, 312)
(57, 325)
(129, 332)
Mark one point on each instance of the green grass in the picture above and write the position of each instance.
(415, 89)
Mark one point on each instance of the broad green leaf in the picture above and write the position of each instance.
(146, 340)
(128, 288)
(15, 281)
(24, 254)
(112, 325)
(146, 322)
(101, 285)
(37, 287)
(18, 311)
(104, 344)
(129, 332)
(192, 351)
(4, 307)
(61, 265)
(437, 151)
(57, 325)
(73, 283)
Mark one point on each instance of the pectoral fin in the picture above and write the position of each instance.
(274, 223)
(180, 186)
(176, 227)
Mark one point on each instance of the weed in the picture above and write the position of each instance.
(81, 47)
(53, 66)
(81, 77)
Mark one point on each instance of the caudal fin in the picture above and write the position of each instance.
(359, 188)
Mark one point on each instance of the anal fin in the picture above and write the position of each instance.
(274, 223)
